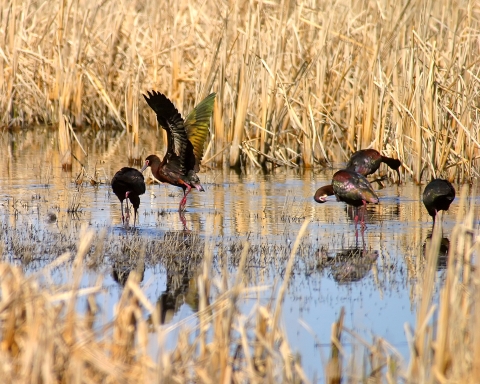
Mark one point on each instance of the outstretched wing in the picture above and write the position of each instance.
(170, 120)
(196, 125)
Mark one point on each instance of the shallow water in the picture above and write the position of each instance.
(373, 276)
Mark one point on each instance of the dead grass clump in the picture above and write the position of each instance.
(176, 247)
(75, 200)
(24, 242)
(45, 338)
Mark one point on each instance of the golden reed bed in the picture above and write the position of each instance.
(299, 83)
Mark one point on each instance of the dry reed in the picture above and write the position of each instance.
(46, 336)
(297, 83)
(42, 329)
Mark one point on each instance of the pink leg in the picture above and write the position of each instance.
(364, 209)
(127, 213)
(356, 222)
(184, 199)
(183, 220)
(357, 216)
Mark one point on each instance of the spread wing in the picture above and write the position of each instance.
(170, 120)
(196, 125)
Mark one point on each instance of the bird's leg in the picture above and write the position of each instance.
(127, 212)
(364, 209)
(356, 222)
(398, 173)
(121, 207)
(186, 191)
(183, 220)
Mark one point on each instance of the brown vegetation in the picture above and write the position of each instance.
(45, 338)
(298, 83)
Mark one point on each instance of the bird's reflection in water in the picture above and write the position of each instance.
(368, 214)
(442, 251)
(180, 253)
(181, 288)
(350, 264)
(181, 260)
(121, 270)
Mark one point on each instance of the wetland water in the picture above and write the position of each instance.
(374, 278)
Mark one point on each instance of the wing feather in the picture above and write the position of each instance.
(196, 126)
(170, 120)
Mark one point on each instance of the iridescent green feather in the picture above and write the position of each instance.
(196, 126)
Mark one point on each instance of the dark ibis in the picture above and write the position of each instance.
(350, 187)
(185, 142)
(128, 183)
(437, 196)
(367, 161)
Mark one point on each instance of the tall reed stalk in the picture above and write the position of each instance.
(298, 85)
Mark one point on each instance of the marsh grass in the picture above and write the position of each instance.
(176, 252)
(47, 337)
(118, 351)
(297, 84)
(219, 342)
(75, 199)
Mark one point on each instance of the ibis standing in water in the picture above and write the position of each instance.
(351, 188)
(128, 184)
(367, 161)
(185, 143)
(437, 196)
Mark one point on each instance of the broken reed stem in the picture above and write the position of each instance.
(286, 277)
(243, 98)
(86, 238)
(64, 141)
(333, 370)
(132, 105)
